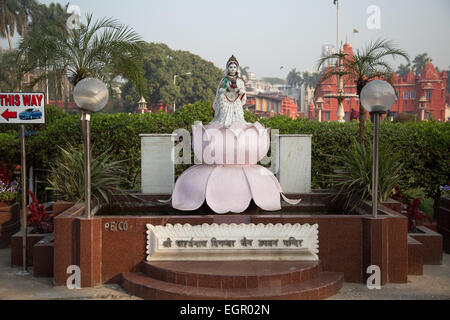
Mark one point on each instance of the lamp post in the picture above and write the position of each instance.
(377, 97)
(90, 95)
(175, 84)
(142, 105)
(319, 103)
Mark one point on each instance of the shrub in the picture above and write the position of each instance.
(422, 147)
(353, 176)
(67, 175)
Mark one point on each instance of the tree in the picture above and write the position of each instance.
(364, 66)
(48, 17)
(160, 65)
(419, 62)
(310, 78)
(274, 81)
(26, 9)
(8, 20)
(294, 78)
(448, 79)
(244, 71)
(102, 49)
(10, 75)
(403, 70)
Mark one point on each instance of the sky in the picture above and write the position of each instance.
(273, 37)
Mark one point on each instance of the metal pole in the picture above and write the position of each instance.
(376, 140)
(337, 10)
(86, 117)
(174, 84)
(24, 198)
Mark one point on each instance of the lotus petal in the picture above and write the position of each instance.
(265, 192)
(227, 190)
(190, 188)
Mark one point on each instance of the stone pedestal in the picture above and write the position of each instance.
(375, 246)
(157, 167)
(294, 158)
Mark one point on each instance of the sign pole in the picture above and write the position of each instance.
(23, 108)
(24, 197)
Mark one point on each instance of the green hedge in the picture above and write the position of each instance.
(423, 146)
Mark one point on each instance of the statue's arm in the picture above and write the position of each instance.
(242, 91)
(222, 87)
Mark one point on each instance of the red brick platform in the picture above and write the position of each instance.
(230, 280)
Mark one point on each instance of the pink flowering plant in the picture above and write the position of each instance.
(8, 191)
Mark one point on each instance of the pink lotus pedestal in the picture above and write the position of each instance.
(229, 176)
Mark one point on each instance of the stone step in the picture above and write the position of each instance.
(323, 286)
(232, 274)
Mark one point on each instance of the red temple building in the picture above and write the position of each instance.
(430, 86)
(269, 105)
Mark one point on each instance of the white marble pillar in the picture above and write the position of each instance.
(157, 167)
(294, 156)
(341, 112)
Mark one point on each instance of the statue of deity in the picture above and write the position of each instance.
(229, 150)
(231, 96)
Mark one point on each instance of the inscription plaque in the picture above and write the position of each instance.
(232, 242)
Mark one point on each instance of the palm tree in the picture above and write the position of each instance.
(364, 66)
(310, 78)
(8, 20)
(103, 49)
(403, 70)
(419, 62)
(9, 75)
(244, 71)
(294, 78)
(27, 8)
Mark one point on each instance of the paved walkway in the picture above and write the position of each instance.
(15, 286)
(434, 284)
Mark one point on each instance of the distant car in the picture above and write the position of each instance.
(30, 114)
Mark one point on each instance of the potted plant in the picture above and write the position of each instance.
(67, 175)
(40, 226)
(352, 177)
(38, 218)
(8, 193)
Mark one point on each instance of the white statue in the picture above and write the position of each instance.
(231, 96)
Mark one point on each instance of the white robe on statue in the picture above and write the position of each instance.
(228, 106)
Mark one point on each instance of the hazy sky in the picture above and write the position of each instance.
(267, 34)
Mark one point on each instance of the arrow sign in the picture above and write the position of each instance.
(22, 108)
(7, 115)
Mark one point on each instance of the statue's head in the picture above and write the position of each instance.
(232, 66)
